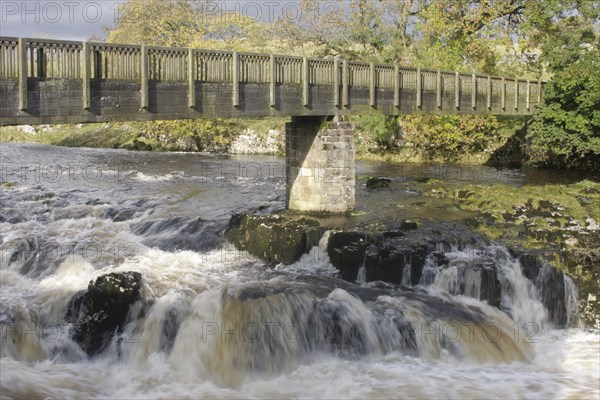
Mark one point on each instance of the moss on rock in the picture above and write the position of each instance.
(273, 238)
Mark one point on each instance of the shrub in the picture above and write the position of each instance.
(448, 137)
(213, 135)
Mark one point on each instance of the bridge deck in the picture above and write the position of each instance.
(53, 81)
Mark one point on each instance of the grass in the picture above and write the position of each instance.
(563, 203)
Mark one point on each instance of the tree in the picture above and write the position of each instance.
(157, 22)
(188, 23)
(565, 132)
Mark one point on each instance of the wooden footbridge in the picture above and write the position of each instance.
(53, 81)
(45, 81)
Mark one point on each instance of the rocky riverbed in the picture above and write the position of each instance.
(451, 256)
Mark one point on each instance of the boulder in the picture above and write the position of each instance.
(383, 255)
(273, 238)
(101, 311)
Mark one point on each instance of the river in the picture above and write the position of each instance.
(76, 214)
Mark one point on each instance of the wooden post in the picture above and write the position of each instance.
(397, 85)
(336, 82)
(273, 78)
(22, 68)
(457, 90)
(85, 75)
(489, 92)
(41, 63)
(516, 94)
(305, 99)
(345, 83)
(527, 93)
(419, 88)
(473, 91)
(235, 76)
(539, 86)
(97, 64)
(191, 78)
(503, 94)
(32, 68)
(372, 78)
(144, 76)
(438, 90)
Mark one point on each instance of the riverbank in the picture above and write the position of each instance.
(262, 136)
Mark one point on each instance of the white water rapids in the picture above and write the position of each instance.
(218, 323)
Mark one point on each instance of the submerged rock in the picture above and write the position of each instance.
(102, 310)
(328, 315)
(378, 183)
(273, 238)
(549, 282)
(180, 233)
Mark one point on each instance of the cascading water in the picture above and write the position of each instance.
(215, 322)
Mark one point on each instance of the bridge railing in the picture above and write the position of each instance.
(48, 59)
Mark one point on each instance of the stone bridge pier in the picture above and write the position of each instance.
(320, 165)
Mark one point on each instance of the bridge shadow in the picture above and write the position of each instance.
(513, 153)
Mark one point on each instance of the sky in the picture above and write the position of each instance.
(85, 19)
(61, 19)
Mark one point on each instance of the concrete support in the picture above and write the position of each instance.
(320, 165)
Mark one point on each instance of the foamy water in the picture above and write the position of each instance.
(182, 341)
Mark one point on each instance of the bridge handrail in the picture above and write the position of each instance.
(42, 42)
(24, 58)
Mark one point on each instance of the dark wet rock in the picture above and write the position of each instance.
(408, 225)
(22, 252)
(464, 194)
(508, 217)
(378, 183)
(93, 202)
(273, 238)
(101, 311)
(174, 317)
(384, 257)
(385, 265)
(180, 233)
(478, 278)
(35, 256)
(393, 233)
(119, 215)
(402, 259)
(549, 282)
(440, 258)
